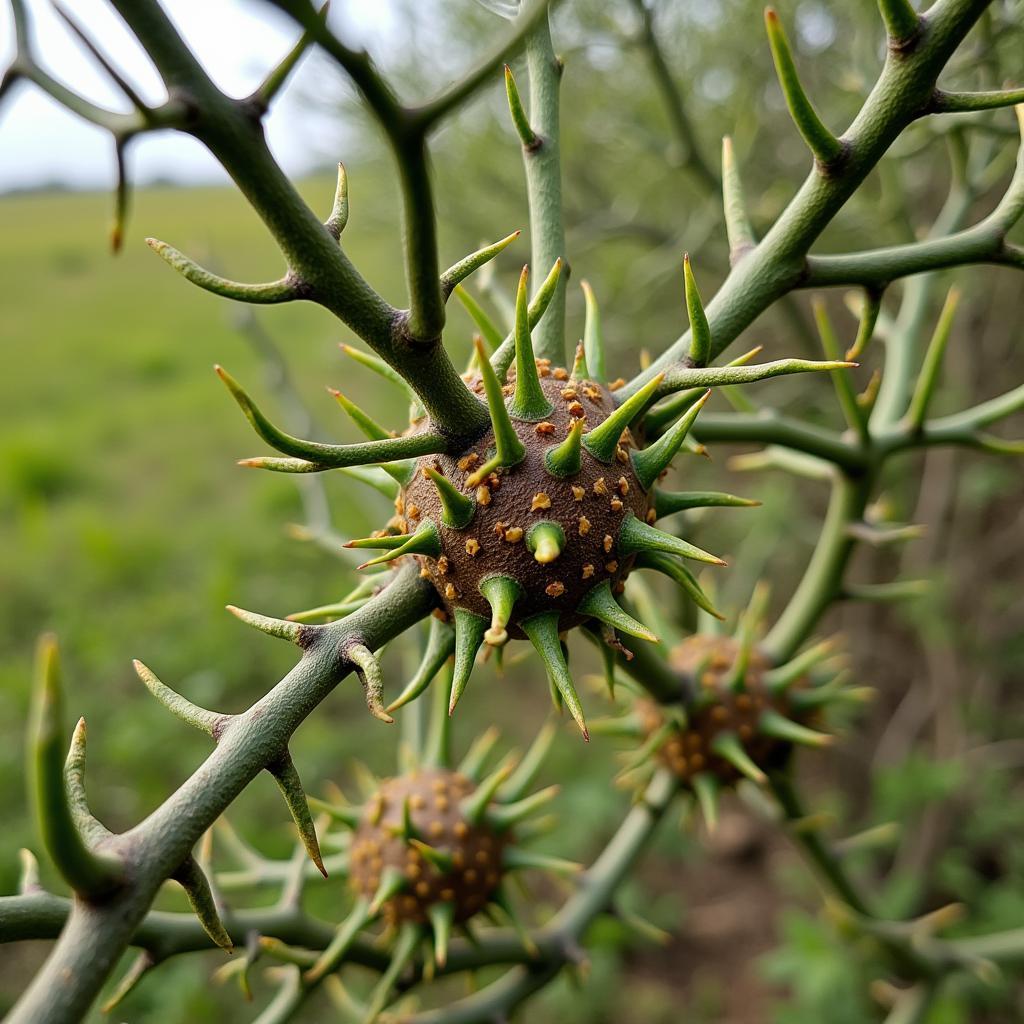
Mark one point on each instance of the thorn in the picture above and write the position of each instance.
(372, 679)
(379, 367)
(603, 440)
(522, 778)
(28, 878)
(405, 829)
(593, 339)
(509, 450)
(781, 678)
(87, 872)
(546, 540)
(930, 368)
(457, 510)
(367, 425)
(564, 460)
(626, 726)
(197, 888)
(469, 635)
(474, 806)
(425, 541)
(209, 722)
(705, 787)
(344, 814)
(409, 938)
(700, 330)
(503, 816)
(514, 858)
(442, 915)
(392, 882)
(579, 364)
(772, 723)
(501, 900)
(542, 631)
(636, 536)
(668, 502)
(677, 572)
(344, 936)
(280, 628)
(438, 859)
(528, 401)
(650, 462)
(527, 136)
(473, 763)
(728, 747)
(287, 778)
(490, 333)
(599, 603)
(440, 646)
(454, 275)
(338, 219)
(501, 593)
(140, 967)
(737, 222)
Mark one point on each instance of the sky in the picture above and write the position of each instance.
(237, 41)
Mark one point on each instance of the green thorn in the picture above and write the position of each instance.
(371, 476)
(379, 367)
(599, 603)
(593, 339)
(474, 806)
(484, 324)
(367, 425)
(501, 593)
(515, 858)
(503, 357)
(825, 147)
(652, 461)
(287, 779)
(338, 219)
(700, 329)
(503, 816)
(602, 441)
(438, 859)
(705, 787)
(469, 635)
(139, 968)
(457, 509)
(405, 829)
(207, 721)
(746, 634)
(474, 261)
(509, 450)
(392, 882)
(579, 364)
(280, 628)
(636, 537)
(345, 814)
(191, 878)
(440, 645)
(28, 878)
(386, 542)
(87, 872)
(626, 726)
(425, 541)
(522, 778)
(668, 502)
(542, 631)
(564, 460)
(372, 679)
(737, 221)
(546, 540)
(527, 136)
(501, 900)
(442, 916)
(772, 723)
(344, 936)
(727, 746)
(650, 747)
(409, 938)
(668, 566)
(929, 375)
(779, 679)
(528, 401)
(480, 750)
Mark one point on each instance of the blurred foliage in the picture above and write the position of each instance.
(125, 526)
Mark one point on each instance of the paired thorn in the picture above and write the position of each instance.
(501, 593)
(542, 631)
(564, 460)
(700, 329)
(636, 537)
(650, 462)
(603, 440)
(509, 450)
(528, 400)
(457, 509)
(469, 635)
(425, 541)
(287, 778)
(600, 604)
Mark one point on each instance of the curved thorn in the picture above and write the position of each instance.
(501, 900)
(727, 746)
(600, 604)
(139, 968)
(87, 872)
(522, 778)
(344, 814)
(74, 783)
(722, 376)
(650, 462)
(700, 329)
(469, 635)
(602, 441)
(281, 628)
(542, 631)
(737, 221)
(509, 450)
(386, 542)
(705, 787)
(442, 916)
(440, 861)
(636, 536)
(484, 324)
(287, 778)
(338, 220)
(668, 502)
(278, 76)
(191, 878)
(546, 540)
(593, 338)
(528, 400)
(474, 261)
(392, 882)
(440, 646)
(784, 676)
(666, 564)
(501, 593)
(520, 120)
(369, 427)
(209, 722)
(283, 290)
(457, 509)
(372, 678)
(379, 367)
(771, 723)
(564, 460)
(28, 877)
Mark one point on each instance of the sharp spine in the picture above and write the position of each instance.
(705, 787)
(528, 400)
(542, 631)
(676, 571)
(636, 536)
(771, 723)
(469, 635)
(603, 440)
(509, 450)
(700, 329)
(425, 541)
(727, 746)
(457, 509)
(565, 459)
(440, 646)
(501, 593)
(287, 778)
(650, 462)
(601, 605)
(593, 338)
(668, 502)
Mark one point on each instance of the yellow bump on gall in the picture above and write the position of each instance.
(500, 528)
(424, 573)
(540, 500)
(578, 493)
(592, 393)
(413, 511)
(600, 487)
(442, 565)
(545, 429)
(483, 495)
(450, 591)
(608, 543)
(467, 462)
(584, 526)
(577, 411)
(472, 546)
(555, 589)
(612, 566)
(560, 373)
(568, 394)
(652, 516)
(514, 534)
(621, 455)
(619, 382)
(616, 504)
(623, 486)
(588, 571)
